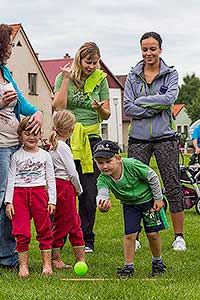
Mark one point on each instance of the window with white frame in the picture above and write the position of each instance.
(104, 131)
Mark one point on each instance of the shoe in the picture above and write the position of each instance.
(125, 272)
(179, 244)
(158, 268)
(137, 245)
(88, 249)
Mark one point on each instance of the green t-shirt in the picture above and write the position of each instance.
(133, 186)
(79, 104)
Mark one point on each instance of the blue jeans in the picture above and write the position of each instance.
(8, 254)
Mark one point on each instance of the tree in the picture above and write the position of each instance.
(193, 109)
(188, 90)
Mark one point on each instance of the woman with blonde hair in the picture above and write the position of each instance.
(66, 219)
(83, 89)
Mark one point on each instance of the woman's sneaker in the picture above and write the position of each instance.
(158, 268)
(179, 244)
(125, 272)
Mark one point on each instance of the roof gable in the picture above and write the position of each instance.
(18, 27)
(177, 108)
(15, 28)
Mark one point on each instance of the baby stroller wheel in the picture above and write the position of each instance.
(197, 206)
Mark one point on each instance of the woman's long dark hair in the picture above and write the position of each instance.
(5, 33)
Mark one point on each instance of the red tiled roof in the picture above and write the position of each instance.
(177, 108)
(15, 28)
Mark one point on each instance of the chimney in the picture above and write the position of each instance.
(66, 55)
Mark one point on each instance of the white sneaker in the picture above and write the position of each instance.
(88, 250)
(137, 245)
(179, 244)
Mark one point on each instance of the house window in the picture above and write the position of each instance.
(104, 131)
(185, 129)
(32, 83)
(179, 129)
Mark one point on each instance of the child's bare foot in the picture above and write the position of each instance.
(47, 271)
(23, 272)
(59, 264)
(23, 265)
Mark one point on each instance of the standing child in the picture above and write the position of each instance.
(66, 219)
(137, 187)
(31, 170)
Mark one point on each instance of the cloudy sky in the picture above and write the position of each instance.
(58, 27)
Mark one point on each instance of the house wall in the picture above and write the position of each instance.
(115, 121)
(182, 120)
(125, 135)
(20, 64)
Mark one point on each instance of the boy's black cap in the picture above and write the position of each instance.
(105, 149)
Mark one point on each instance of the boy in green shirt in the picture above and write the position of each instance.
(137, 186)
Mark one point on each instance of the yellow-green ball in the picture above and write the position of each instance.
(80, 268)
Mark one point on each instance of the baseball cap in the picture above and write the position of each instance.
(105, 149)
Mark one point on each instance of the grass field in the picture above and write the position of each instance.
(181, 280)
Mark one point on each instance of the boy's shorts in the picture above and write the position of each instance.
(153, 221)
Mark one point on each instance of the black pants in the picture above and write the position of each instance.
(87, 200)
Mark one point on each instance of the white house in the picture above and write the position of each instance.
(30, 76)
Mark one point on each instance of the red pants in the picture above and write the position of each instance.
(66, 219)
(31, 202)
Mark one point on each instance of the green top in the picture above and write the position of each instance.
(134, 186)
(80, 103)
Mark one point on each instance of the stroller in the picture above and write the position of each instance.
(191, 175)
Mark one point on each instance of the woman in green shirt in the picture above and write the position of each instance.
(83, 89)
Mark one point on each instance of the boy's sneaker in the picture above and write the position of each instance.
(88, 250)
(158, 268)
(125, 272)
(179, 244)
(137, 245)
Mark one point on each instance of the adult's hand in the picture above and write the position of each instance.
(66, 71)
(35, 121)
(8, 97)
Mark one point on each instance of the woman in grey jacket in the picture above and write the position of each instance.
(150, 91)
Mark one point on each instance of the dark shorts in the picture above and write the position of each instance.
(152, 221)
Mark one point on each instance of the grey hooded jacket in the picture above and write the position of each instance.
(149, 106)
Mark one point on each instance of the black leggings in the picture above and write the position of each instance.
(87, 200)
(166, 154)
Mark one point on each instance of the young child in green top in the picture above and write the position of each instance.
(137, 186)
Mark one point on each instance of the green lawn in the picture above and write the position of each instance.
(181, 281)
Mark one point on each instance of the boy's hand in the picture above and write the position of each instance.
(51, 208)
(10, 211)
(104, 205)
(158, 205)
